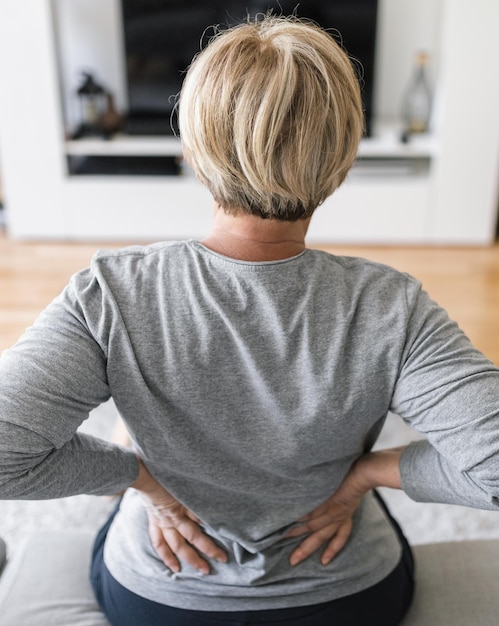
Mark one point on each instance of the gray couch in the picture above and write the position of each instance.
(46, 583)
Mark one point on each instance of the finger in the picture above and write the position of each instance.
(162, 549)
(296, 531)
(193, 517)
(309, 545)
(184, 551)
(309, 527)
(337, 543)
(313, 525)
(205, 544)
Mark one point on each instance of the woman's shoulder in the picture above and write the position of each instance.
(138, 252)
(133, 260)
(361, 271)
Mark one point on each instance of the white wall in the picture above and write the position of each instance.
(90, 37)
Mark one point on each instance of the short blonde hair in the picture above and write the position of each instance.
(270, 117)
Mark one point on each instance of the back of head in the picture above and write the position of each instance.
(271, 117)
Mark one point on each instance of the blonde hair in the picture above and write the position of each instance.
(270, 117)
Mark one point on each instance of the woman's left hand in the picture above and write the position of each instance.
(331, 522)
(174, 530)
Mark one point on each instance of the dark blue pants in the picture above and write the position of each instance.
(384, 604)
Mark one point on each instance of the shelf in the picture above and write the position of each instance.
(123, 145)
(385, 143)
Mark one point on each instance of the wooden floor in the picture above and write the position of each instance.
(463, 280)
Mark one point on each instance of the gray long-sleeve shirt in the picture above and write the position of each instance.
(249, 389)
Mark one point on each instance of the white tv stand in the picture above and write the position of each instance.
(437, 189)
(385, 168)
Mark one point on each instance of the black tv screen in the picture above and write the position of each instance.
(162, 36)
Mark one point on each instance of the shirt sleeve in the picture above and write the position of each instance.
(449, 392)
(49, 382)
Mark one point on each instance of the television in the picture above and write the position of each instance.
(162, 36)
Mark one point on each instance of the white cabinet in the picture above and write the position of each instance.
(439, 189)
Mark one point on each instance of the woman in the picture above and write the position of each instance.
(253, 375)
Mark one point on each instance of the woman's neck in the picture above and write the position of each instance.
(251, 238)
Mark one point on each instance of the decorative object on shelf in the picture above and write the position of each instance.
(110, 122)
(92, 97)
(416, 107)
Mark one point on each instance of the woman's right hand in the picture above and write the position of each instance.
(175, 532)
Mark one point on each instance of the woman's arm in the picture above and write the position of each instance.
(33, 468)
(49, 382)
(448, 391)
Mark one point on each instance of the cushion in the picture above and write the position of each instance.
(47, 582)
(457, 584)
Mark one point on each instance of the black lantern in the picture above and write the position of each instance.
(92, 97)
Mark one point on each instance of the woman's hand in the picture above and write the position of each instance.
(331, 522)
(174, 530)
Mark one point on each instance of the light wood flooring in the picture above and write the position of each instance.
(463, 280)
